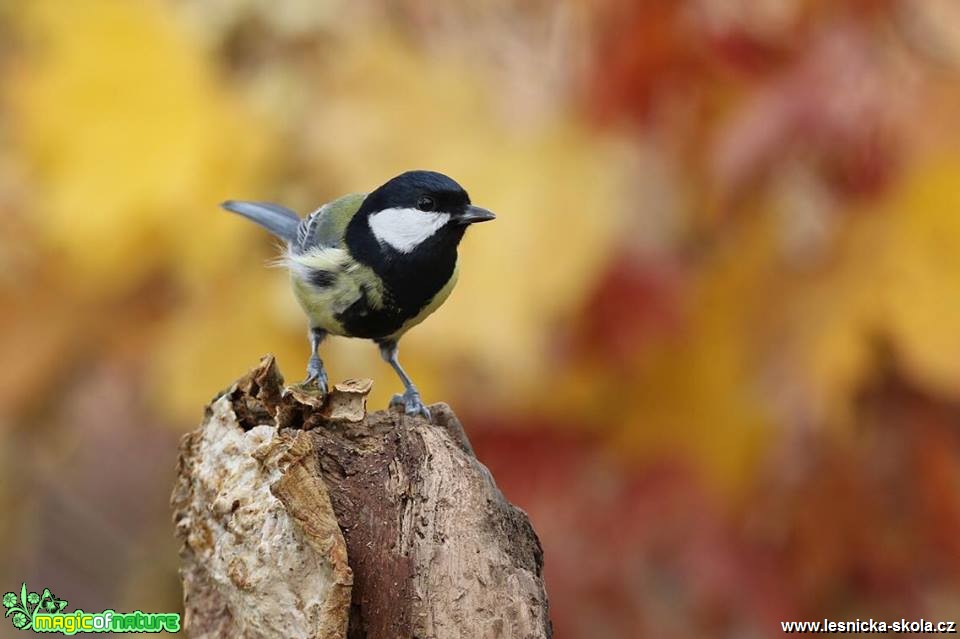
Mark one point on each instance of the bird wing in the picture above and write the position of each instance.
(279, 220)
(326, 279)
(327, 226)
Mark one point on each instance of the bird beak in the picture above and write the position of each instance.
(473, 214)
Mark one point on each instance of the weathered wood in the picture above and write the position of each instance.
(301, 518)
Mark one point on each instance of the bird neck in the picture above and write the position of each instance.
(413, 278)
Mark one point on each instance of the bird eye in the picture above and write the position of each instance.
(426, 203)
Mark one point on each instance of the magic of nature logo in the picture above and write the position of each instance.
(44, 612)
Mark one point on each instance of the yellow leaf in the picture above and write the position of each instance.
(131, 143)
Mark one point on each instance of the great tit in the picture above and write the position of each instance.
(373, 265)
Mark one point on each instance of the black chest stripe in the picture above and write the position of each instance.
(360, 319)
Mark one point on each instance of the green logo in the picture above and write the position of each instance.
(43, 612)
(24, 608)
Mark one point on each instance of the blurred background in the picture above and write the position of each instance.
(711, 344)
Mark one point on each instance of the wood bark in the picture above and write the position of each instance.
(307, 518)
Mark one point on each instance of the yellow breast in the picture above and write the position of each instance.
(349, 280)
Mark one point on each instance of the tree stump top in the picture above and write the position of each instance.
(303, 517)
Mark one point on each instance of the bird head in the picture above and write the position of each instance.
(419, 210)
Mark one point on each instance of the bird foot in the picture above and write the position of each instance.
(316, 375)
(411, 402)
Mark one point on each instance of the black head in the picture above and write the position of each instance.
(426, 191)
(416, 215)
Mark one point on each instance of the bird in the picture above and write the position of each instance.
(373, 265)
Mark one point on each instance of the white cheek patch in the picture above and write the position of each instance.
(405, 229)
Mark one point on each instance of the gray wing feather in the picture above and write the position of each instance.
(279, 220)
(316, 230)
(307, 231)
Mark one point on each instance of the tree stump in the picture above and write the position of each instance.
(306, 518)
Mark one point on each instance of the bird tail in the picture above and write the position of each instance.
(280, 221)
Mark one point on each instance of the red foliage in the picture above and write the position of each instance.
(630, 554)
(814, 88)
(631, 305)
(837, 528)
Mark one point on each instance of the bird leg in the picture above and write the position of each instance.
(410, 399)
(315, 371)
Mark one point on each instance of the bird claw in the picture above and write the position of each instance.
(319, 382)
(411, 402)
(316, 375)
